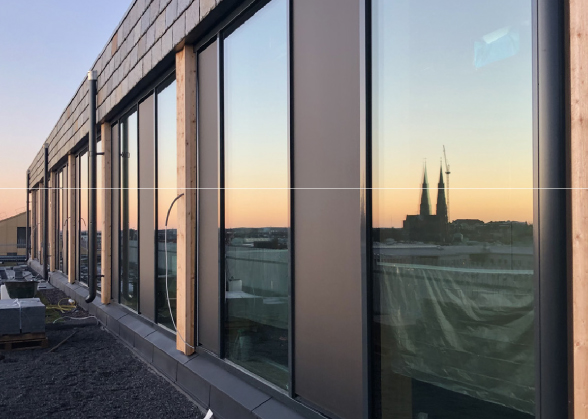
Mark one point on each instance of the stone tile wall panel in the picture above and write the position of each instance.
(148, 32)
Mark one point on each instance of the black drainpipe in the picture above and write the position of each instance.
(92, 269)
(28, 233)
(46, 213)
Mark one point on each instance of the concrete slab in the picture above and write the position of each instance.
(274, 409)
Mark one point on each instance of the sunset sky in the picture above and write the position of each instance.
(256, 120)
(46, 48)
(429, 92)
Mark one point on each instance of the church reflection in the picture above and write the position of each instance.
(453, 310)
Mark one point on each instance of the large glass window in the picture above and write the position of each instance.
(257, 193)
(453, 263)
(83, 189)
(166, 193)
(129, 233)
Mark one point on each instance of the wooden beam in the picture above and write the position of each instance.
(34, 225)
(186, 236)
(52, 214)
(71, 221)
(106, 210)
(577, 18)
(64, 221)
(40, 210)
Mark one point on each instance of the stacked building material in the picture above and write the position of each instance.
(22, 316)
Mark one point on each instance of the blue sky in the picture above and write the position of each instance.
(46, 48)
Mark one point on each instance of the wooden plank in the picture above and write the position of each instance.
(52, 218)
(578, 134)
(106, 213)
(64, 221)
(22, 337)
(71, 221)
(24, 341)
(40, 217)
(34, 225)
(186, 236)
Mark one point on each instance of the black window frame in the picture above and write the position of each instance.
(84, 151)
(164, 83)
(218, 34)
(126, 110)
(133, 109)
(549, 206)
(21, 237)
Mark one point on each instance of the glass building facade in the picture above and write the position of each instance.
(375, 230)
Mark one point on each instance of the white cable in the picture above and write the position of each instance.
(74, 318)
(166, 285)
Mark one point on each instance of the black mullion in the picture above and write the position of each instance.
(367, 230)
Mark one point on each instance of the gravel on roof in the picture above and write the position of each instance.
(91, 375)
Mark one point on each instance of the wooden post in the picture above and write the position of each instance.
(52, 221)
(34, 225)
(578, 152)
(186, 236)
(106, 214)
(72, 214)
(40, 217)
(64, 220)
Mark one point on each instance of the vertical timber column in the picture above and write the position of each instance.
(52, 221)
(46, 215)
(106, 214)
(186, 246)
(39, 243)
(28, 230)
(34, 226)
(578, 147)
(71, 223)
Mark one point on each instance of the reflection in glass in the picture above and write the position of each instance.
(166, 193)
(129, 234)
(99, 216)
(257, 220)
(453, 268)
(83, 218)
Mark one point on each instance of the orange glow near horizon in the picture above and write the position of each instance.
(256, 122)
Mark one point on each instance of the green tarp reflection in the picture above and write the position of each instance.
(466, 330)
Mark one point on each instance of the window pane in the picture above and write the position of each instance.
(83, 222)
(257, 195)
(129, 235)
(453, 245)
(166, 193)
(21, 237)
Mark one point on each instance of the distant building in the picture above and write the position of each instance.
(426, 227)
(13, 238)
